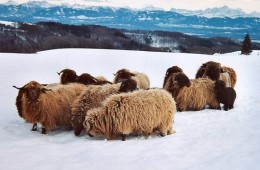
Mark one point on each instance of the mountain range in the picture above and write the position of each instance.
(215, 22)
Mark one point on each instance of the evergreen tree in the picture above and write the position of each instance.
(247, 45)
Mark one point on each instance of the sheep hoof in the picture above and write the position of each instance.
(34, 128)
(44, 131)
(123, 137)
(162, 134)
(77, 130)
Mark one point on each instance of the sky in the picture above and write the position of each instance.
(247, 6)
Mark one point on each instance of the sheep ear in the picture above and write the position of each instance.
(58, 73)
(19, 88)
(114, 74)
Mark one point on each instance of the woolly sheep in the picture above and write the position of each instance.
(225, 95)
(50, 107)
(170, 71)
(18, 102)
(141, 112)
(141, 79)
(193, 94)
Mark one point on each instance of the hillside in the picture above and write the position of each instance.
(29, 38)
(207, 139)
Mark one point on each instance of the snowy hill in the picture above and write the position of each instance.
(208, 139)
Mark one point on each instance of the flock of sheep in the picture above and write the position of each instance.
(126, 106)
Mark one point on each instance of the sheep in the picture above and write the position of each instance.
(50, 107)
(225, 95)
(169, 72)
(215, 71)
(142, 112)
(92, 97)
(67, 76)
(193, 94)
(18, 102)
(141, 79)
(202, 68)
(87, 79)
(70, 76)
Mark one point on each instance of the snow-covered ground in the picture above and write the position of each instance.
(208, 139)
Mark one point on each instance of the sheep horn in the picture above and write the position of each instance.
(58, 73)
(19, 88)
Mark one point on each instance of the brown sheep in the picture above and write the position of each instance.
(169, 72)
(202, 68)
(141, 79)
(18, 102)
(87, 79)
(194, 94)
(50, 107)
(92, 97)
(67, 76)
(141, 112)
(214, 71)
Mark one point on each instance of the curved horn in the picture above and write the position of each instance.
(17, 87)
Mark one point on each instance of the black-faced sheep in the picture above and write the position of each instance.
(141, 79)
(49, 107)
(142, 112)
(193, 94)
(170, 71)
(225, 95)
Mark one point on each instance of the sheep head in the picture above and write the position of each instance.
(67, 76)
(33, 90)
(86, 79)
(170, 71)
(122, 74)
(128, 85)
(182, 80)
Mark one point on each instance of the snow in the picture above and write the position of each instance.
(208, 139)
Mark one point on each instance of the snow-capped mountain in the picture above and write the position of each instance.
(217, 12)
(133, 19)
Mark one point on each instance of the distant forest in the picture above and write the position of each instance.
(31, 38)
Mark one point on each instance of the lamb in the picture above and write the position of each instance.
(225, 95)
(215, 71)
(70, 76)
(92, 97)
(170, 71)
(50, 107)
(193, 94)
(141, 79)
(142, 112)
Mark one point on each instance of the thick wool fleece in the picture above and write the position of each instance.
(51, 108)
(140, 112)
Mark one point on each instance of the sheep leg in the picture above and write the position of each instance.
(78, 129)
(226, 107)
(44, 131)
(34, 127)
(123, 137)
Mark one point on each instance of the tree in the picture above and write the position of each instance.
(247, 45)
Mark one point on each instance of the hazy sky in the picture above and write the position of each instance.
(245, 5)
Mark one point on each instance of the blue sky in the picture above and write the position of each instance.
(246, 5)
